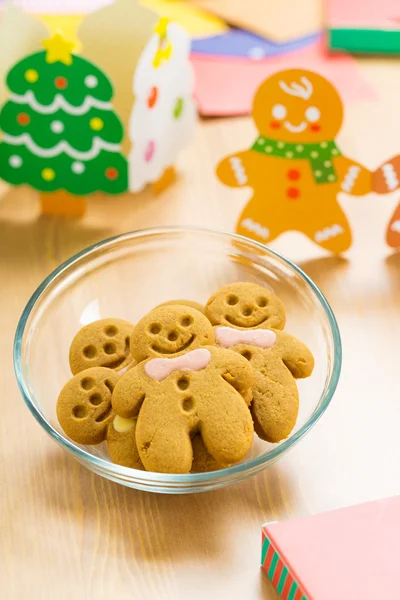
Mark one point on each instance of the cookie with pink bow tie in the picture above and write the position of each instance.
(249, 319)
(203, 392)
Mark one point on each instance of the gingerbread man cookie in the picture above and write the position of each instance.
(294, 167)
(276, 357)
(84, 408)
(170, 330)
(104, 343)
(201, 391)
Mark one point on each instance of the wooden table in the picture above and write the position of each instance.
(68, 534)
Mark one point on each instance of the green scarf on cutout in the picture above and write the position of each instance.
(320, 155)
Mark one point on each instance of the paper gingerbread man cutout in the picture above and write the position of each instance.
(386, 179)
(294, 166)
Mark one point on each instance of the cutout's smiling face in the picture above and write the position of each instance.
(169, 331)
(246, 306)
(298, 106)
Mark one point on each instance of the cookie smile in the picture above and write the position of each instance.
(232, 321)
(114, 364)
(160, 350)
(295, 128)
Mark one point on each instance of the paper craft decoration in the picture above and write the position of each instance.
(294, 166)
(386, 179)
(60, 125)
(164, 114)
(113, 38)
(244, 44)
(367, 27)
(60, 131)
(346, 554)
(226, 85)
(277, 20)
(196, 22)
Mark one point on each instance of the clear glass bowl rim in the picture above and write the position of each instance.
(174, 479)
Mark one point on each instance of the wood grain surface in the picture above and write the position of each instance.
(66, 533)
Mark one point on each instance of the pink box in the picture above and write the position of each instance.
(347, 554)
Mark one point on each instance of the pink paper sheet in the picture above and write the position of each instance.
(347, 554)
(226, 86)
(372, 14)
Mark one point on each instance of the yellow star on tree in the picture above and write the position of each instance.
(58, 49)
(161, 27)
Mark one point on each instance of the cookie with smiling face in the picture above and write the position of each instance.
(103, 343)
(246, 305)
(203, 391)
(276, 357)
(170, 331)
(84, 408)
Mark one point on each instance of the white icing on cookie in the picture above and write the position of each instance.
(395, 226)
(196, 360)
(350, 178)
(238, 170)
(327, 233)
(228, 337)
(256, 228)
(390, 176)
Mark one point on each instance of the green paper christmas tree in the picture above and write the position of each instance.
(59, 129)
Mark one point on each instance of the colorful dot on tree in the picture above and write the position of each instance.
(111, 173)
(152, 97)
(60, 82)
(23, 119)
(91, 81)
(178, 108)
(77, 167)
(15, 161)
(96, 123)
(48, 174)
(57, 126)
(149, 152)
(31, 75)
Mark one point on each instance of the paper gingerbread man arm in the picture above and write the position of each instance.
(387, 177)
(236, 170)
(129, 394)
(353, 178)
(296, 356)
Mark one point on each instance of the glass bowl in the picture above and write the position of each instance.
(128, 275)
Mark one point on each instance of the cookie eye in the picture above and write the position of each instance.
(279, 111)
(247, 355)
(87, 383)
(312, 114)
(90, 352)
(95, 399)
(111, 331)
(110, 348)
(155, 328)
(261, 302)
(232, 300)
(186, 321)
(79, 412)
